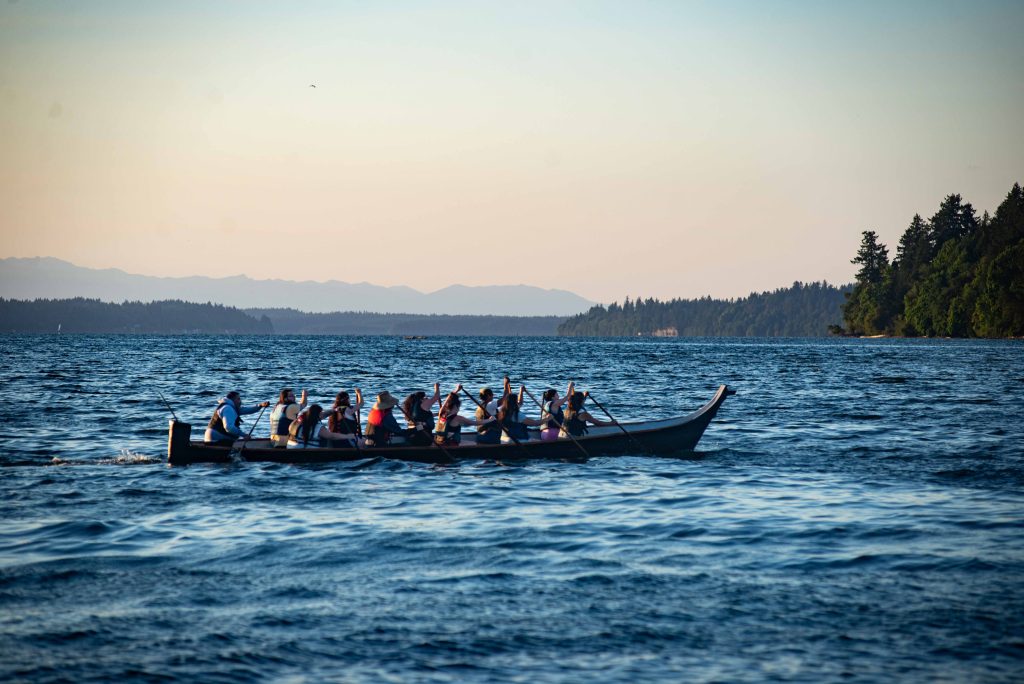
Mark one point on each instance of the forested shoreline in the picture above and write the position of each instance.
(802, 310)
(174, 317)
(954, 275)
(91, 316)
(292, 322)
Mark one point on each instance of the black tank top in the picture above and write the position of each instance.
(573, 425)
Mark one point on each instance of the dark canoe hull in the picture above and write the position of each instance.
(663, 437)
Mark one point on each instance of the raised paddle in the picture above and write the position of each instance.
(553, 420)
(502, 426)
(587, 395)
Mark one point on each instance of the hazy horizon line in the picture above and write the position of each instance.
(628, 296)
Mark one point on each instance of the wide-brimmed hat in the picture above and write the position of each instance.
(385, 401)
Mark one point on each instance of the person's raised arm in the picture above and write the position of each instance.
(430, 401)
(302, 400)
(568, 393)
(359, 398)
(455, 392)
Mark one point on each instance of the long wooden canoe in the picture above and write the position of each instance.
(669, 436)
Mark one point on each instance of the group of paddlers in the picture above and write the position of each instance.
(295, 424)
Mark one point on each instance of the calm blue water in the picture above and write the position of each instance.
(855, 513)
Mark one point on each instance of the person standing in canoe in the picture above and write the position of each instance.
(576, 418)
(344, 418)
(307, 431)
(226, 423)
(381, 424)
(552, 416)
(286, 410)
(450, 423)
(487, 432)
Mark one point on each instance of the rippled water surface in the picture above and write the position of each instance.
(854, 513)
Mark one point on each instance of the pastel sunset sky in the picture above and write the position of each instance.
(609, 148)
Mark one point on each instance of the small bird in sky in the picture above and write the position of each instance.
(312, 86)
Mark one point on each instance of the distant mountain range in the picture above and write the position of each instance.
(46, 277)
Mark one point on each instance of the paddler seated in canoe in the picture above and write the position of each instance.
(487, 432)
(306, 431)
(513, 427)
(226, 423)
(381, 424)
(576, 418)
(286, 410)
(344, 418)
(551, 415)
(450, 423)
(417, 410)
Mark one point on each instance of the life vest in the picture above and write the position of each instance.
(279, 420)
(217, 420)
(340, 422)
(572, 424)
(489, 428)
(375, 430)
(447, 434)
(551, 420)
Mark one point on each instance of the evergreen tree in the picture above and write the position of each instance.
(953, 220)
(873, 258)
(915, 248)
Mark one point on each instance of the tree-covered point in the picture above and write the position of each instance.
(954, 275)
(81, 315)
(803, 310)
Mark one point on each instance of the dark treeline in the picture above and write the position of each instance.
(176, 317)
(798, 311)
(292, 322)
(954, 275)
(81, 315)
